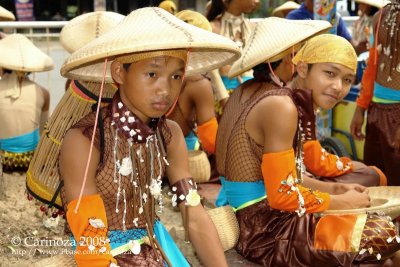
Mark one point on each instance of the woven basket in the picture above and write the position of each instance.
(42, 177)
(383, 199)
(199, 166)
(62, 260)
(227, 226)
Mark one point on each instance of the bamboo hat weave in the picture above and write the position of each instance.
(375, 3)
(6, 15)
(287, 6)
(151, 29)
(42, 177)
(383, 198)
(273, 38)
(18, 53)
(87, 27)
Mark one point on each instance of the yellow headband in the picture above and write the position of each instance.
(194, 18)
(168, 6)
(326, 48)
(135, 57)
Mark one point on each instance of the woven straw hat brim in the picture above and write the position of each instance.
(289, 5)
(20, 54)
(87, 27)
(273, 38)
(384, 199)
(6, 15)
(151, 29)
(375, 3)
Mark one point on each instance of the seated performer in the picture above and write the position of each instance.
(113, 197)
(24, 104)
(195, 105)
(277, 207)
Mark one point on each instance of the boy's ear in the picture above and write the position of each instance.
(117, 72)
(302, 69)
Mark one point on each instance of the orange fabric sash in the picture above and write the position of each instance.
(92, 247)
(322, 163)
(368, 79)
(207, 133)
(279, 172)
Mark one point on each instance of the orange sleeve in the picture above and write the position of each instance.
(283, 189)
(368, 80)
(89, 227)
(321, 163)
(207, 133)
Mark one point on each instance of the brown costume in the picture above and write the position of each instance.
(124, 212)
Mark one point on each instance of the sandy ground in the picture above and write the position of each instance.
(25, 240)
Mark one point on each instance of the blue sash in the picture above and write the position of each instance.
(238, 193)
(22, 143)
(386, 93)
(232, 84)
(119, 238)
(192, 142)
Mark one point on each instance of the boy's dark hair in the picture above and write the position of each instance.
(217, 8)
(126, 66)
(261, 71)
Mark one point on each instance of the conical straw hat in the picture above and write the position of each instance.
(375, 3)
(273, 38)
(289, 5)
(20, 54)
(151, 29)
(6, 15)
(87, 27)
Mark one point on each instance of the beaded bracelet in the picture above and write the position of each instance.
(185, 190)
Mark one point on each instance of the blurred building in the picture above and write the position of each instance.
(48, 9)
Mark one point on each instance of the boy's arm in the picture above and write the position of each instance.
(90, 222)
(201, 228)
(203, 99)
(278, 167)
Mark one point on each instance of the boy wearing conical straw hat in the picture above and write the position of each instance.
(81, 97)
(24, 104)
(117, 200)
(277, 206)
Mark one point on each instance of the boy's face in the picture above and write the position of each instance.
(149, 87)
(330, 83)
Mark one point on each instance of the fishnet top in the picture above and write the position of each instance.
(238, 155)
(388, 73)
(106, 185)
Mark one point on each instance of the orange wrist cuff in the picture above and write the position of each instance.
(321, 163)
(207, 133)
(283, 189)
(89, 227)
